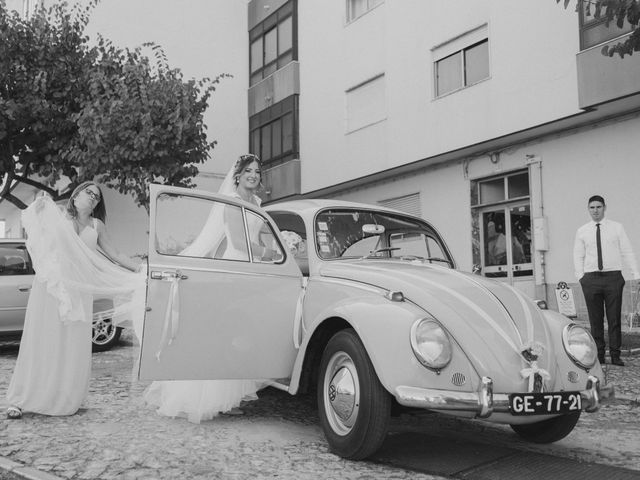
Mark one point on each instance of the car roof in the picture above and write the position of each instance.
(12, 240)
(311, 205)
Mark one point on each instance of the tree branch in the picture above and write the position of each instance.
(15, 200)
(38, 185)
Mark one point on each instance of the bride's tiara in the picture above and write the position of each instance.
(248, 156)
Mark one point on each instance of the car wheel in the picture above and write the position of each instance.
(353, 405)
(548, 431)
(105, 335)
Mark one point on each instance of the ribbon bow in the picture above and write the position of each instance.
(531, 372)
(171, 317)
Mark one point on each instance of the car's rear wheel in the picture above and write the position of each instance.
(353, 405)
(548, 431)
(105, 335)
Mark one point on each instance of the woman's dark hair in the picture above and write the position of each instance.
(242, 162)
(99, 211)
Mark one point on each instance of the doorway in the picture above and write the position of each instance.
(503, 230)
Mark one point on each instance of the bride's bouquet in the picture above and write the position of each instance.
(294, 242)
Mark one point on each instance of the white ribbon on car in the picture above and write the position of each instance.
(531, 372)
(297, 319)
(171, 316)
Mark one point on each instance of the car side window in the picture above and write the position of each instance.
(196, 227)
(14, 260)
(418, 244)
(294, 233)
(265, 247)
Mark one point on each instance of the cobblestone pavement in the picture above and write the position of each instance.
(116, 436)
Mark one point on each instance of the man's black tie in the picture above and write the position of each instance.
(599, 246)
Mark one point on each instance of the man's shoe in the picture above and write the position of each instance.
(617, 361)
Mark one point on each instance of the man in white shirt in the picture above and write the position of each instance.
(601, 248)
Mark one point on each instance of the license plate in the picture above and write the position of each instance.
(544, 403)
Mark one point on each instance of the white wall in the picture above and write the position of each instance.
(533, 80)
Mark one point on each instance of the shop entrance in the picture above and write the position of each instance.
(502, 230)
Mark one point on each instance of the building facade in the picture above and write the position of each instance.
(495, 120)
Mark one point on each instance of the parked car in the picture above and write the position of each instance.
(16, 277)
(364, 305)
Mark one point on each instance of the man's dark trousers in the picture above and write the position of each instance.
(603, 290)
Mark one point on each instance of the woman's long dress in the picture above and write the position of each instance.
(53, 369)
(199, 400)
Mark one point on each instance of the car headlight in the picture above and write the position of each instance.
(431, 344)
(579, 345)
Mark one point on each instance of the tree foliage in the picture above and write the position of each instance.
(620, 12)
(93, 111)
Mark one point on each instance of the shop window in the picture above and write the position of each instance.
(501, 226)
(499, 189)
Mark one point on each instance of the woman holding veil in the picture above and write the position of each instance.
(53, 368)
(199, 400)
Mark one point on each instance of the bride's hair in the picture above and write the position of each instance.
(242, 162)
(99, 211)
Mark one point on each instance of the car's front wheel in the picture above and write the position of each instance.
(353, 405)
(548, 431)
(104, 335)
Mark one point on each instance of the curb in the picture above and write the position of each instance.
(27, 473)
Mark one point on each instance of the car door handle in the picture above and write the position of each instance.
(24, 288)
(155, 275)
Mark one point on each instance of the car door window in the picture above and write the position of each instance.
(265, 246)
(196, 227)
(14, 260)
(295, 236)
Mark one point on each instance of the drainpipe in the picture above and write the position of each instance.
(539, 226)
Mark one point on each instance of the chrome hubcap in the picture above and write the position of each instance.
(341, 392)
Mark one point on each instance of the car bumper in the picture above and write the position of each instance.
(485, 402)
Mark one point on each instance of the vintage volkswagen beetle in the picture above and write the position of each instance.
(365, 306)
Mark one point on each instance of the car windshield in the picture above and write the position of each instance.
(357, 233)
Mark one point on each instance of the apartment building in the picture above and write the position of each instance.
(492, 119)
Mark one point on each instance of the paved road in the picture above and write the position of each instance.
(116, 436)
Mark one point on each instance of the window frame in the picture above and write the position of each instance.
(268, 117)
(476, 196)
(463, 68)
(613, 32)
(287, 11)
(349, 9)
(352, 113)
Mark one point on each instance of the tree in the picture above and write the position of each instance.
(69, 108)
(618, 11)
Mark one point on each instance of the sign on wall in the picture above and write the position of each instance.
(564, 297)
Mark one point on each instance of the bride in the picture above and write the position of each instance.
(199, 400)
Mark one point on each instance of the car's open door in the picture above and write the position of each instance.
(218, 312)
